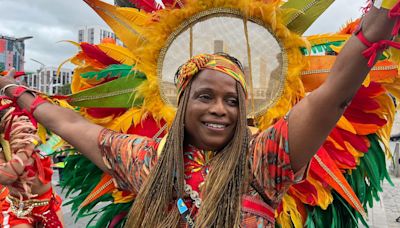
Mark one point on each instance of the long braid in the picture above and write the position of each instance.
(155, 205)
(165, 181)
(226, 181)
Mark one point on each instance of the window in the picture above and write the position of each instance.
(81, 35)
(91, 36)
(10, 45)
(16, 61)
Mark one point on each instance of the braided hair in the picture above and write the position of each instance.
(155, 204)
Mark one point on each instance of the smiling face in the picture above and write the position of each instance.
(212, 110)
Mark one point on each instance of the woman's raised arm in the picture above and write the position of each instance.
(69, 125)
(312, 119)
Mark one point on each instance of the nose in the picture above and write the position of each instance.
(218, 108)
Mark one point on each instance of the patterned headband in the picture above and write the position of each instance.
(207, 61)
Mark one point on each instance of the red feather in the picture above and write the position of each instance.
(306, 192)
(104, 112)
(336, 135)
(357, 141)
(319, 166)
(357, 116)
(96, 53)
(148, 127)
(342, 158)
(150, 5)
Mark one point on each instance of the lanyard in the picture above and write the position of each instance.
(185, 214)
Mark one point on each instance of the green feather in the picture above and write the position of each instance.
(346, 207)
(112, 71)
(310, 222)
(335, 216)
(372, 171)
(303, 13)
(359, 183)
(119, 93)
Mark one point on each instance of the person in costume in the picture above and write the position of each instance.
(210, 170)
(30, 199)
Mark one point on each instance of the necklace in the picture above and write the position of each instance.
(194, 195)
(196, 170)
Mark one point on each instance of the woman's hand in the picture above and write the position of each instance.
(8, 79)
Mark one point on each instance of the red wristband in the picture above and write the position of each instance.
(371, 53)
(38, 101)
(18, 91)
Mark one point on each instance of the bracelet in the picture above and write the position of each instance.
(17, 92)
(371, 53)
(38, 101)
(3, 90)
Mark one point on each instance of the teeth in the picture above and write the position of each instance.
(215, 125)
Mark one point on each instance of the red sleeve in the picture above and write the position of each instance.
(270, 161)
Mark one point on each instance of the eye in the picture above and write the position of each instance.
(205, 97)
(232, 101)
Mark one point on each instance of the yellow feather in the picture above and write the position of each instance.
(357, 154)
(290, 212)
(42, 133)
(135, 16)
(367, 81)
(6, 148)
(130, 33)
(119, 53)
(337, 146)
(326, 38)
(387, 111)
(125, 121)
(344, 124)
(325, 197)
(393, 87)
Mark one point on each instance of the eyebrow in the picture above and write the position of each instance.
(208, 90)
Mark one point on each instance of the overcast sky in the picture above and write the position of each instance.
(50, 21)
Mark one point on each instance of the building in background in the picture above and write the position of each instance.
(124, 3)
(12, 52)
(95, 34)
(47, 81)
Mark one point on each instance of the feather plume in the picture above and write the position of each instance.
(130, 33)
(119, 53)
(93, 52)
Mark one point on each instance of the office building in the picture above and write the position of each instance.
(95, 34)
(12, 52)
(47, 81)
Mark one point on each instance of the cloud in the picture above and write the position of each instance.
(50, 21)
(336, 16)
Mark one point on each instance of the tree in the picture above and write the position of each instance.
(65, 89)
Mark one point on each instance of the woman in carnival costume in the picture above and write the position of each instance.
(242, 177)
(29, 199)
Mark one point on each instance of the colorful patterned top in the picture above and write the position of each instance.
(269, 163)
